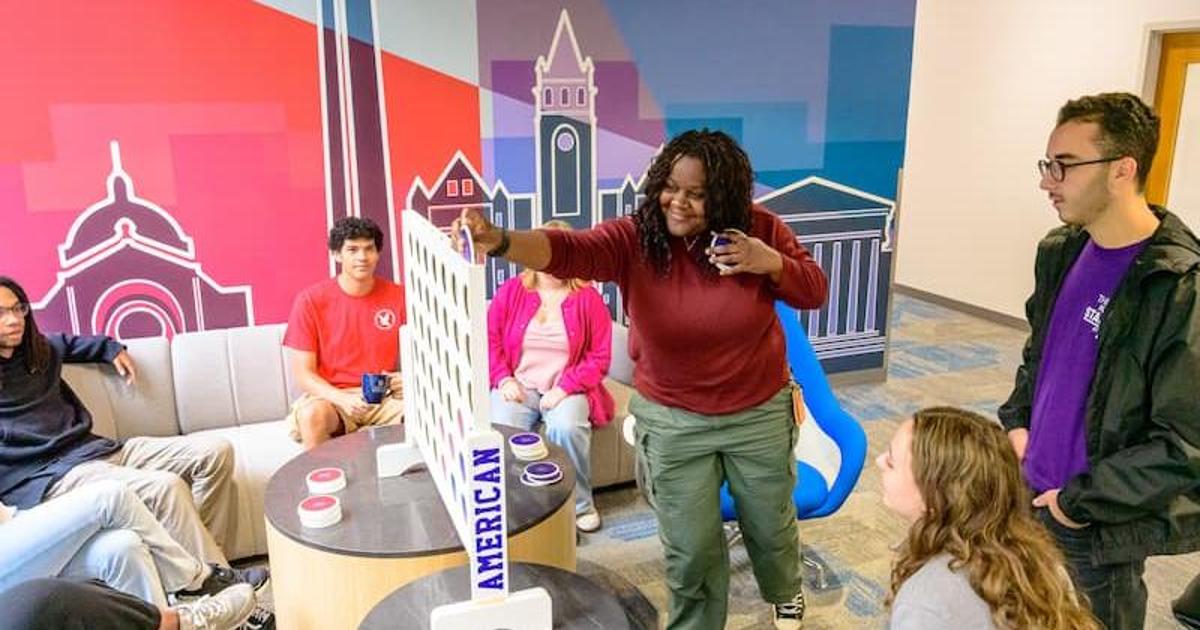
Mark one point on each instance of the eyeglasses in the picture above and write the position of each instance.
(20, 309)
(1057, 169)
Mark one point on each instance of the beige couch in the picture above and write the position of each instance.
(234, 383)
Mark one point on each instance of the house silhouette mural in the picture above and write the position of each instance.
(848, 231)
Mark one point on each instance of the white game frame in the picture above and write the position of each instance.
(444, 358)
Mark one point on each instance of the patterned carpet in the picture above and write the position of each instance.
(937, 356)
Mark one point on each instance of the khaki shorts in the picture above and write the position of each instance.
(390, 411)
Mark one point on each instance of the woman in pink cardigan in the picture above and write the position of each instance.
(550, 343)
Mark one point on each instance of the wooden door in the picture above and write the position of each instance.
(1174, 180)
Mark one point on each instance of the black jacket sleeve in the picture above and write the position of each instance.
(85, 348)
(1148, 475)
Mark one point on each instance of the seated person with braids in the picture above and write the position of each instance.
(975, 556)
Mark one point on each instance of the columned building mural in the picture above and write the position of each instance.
(849, 233)
(357, 171)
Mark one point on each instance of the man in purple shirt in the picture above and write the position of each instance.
(1104, 412)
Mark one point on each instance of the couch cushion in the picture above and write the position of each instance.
(612, 458)
(120, 411)
(259, 450)
(231, 377)
(621, 368)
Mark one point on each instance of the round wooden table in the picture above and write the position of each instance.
(578, 603)
(393, 531)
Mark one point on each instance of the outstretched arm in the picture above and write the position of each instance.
(530, 248)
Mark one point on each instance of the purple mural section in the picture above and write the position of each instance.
(589, 107)
(357, 173)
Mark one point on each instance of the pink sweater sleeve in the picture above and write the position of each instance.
(502, 308)
(591, 370)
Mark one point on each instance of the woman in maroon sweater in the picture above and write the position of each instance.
(713, 392)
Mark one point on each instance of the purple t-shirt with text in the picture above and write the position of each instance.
(1057, 449)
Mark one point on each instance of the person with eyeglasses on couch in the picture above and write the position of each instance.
(47, 448)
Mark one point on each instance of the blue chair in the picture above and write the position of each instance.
(815, 494)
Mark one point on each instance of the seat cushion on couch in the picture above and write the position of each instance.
(231, 377)
(259, 450)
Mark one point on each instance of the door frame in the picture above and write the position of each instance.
(1170, 55)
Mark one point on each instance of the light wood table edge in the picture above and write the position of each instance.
(315, 589)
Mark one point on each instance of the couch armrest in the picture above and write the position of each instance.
(612, 458)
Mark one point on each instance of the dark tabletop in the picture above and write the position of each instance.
(578, 602)
(398, 516)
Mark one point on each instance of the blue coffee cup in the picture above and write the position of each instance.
(374, 387)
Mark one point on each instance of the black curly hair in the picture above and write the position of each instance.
(353, 229)
(1128, 126)
(728, 191)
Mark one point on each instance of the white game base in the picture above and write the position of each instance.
(529, 609)
(396, 459)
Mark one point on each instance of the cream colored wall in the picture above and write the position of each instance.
(988, 78)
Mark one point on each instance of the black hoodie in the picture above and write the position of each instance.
(44, 429)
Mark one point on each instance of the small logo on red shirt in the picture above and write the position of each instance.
(385, 319)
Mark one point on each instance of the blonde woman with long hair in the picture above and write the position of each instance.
(975, 556)
(550, 345)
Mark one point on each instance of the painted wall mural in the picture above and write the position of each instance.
(129, 270)
(244, 149)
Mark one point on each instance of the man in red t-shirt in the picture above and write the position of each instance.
(340, 329)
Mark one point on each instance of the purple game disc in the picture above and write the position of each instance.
(530, 481)
(525, 439)
(468, 244)
(542, 470)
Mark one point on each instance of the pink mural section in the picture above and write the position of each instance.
(156, 166)
(175, 166)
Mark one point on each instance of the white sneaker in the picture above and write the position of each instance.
(589, 521)
(790, 614)
(224, 611)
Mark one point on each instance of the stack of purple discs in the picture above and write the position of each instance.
(528, 446)
(541, 474)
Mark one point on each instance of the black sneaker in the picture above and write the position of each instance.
(260, 619)
(790, 614)
(222, 578)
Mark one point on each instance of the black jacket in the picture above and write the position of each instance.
(1141, 494)
(44, 428)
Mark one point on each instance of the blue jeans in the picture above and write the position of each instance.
(102, 531)
(1116, 592)
(567, 426)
